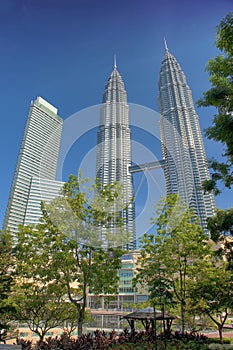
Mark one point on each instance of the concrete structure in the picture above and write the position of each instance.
(182, 146)
(114, 157)
(37, 157)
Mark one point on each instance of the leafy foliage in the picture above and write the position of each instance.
(211, 292)
(56, 266)
(221, 224)
(126, 340)
(6, 280)
(221, 96)
(85, 210)
(221, 228)
(170, 257)
(41, 307)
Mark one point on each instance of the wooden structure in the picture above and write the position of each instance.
(146, 316)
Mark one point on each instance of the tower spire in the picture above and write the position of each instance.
(165, 44)
(115, 65)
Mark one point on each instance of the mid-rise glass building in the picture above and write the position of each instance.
(37, 157)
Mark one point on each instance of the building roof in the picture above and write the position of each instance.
(148, 314)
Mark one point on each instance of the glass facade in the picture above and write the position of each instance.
(114, 156)
(182, 146)
(37, 157)
(107, 310)
(40, 190)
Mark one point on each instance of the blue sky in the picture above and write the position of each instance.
(63, 51)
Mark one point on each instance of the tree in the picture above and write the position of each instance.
(150, 273)
(221, 224)
(221, 228)
(91, 266)
(6, 280)
(221, 96)
(38, 297)
(173, 252)
(84, 211)
(211, 292)
(70, 254)
(41, 307)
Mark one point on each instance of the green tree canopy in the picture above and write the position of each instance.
(221, 224)
(41, 306)
(170, 255)
(211, 292)
(220, 95)
(221, 228)
(7, 265)
(67, 256)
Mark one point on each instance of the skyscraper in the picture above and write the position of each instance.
(40, 190)
(182, 145)
(114, 149)
(37, 157)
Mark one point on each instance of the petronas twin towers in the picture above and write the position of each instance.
(185, 164)
(184, 159)
(182, 145)
(114, 155)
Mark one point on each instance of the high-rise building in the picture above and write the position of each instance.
(40, 190)
(182, 146)
(37, 157)
(114, 150)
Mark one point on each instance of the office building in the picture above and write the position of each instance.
(37, 157)
(40, 190)
(182, 146)
(114, 152)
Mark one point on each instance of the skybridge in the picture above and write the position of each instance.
(147, 166)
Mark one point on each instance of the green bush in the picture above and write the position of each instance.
(218, 341)
(125, 341)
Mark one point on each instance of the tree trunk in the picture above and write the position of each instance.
(163, 314)
(80, 328)
(41, 336)
(182, 311)
(81, 317)
(220, 333)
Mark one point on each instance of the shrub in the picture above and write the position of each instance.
(125, 341)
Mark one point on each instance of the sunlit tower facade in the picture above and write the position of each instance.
(37, 159)
(182, 146)
(114, 157)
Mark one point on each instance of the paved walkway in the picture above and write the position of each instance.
(227, 333)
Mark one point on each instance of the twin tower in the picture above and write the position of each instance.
(184, 160)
